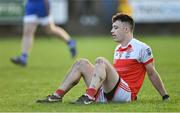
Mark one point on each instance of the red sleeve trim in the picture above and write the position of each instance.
(149, 61)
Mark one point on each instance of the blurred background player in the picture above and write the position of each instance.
(37, 12)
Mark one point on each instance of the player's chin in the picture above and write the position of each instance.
(115, 39)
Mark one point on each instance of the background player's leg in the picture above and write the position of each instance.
(29, 29)
(51, 28)
(28, 36)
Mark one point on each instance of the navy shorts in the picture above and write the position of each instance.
(40, 8)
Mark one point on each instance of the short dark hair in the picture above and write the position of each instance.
(124, 18)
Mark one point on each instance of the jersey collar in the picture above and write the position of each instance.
(128, 47)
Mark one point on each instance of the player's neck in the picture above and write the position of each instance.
(126, 41)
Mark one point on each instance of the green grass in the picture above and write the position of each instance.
(49, 61)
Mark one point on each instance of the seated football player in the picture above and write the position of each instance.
(119, 82)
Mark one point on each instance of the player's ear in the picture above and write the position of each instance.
(126, 29)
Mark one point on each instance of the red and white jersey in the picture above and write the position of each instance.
(130, 63)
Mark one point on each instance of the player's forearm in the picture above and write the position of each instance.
(158, 84)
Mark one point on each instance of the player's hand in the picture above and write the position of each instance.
(166, 97)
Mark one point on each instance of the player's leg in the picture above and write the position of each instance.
(29, 28)
(81, 68)
(51, 28)
(104, 75)
(28, 36)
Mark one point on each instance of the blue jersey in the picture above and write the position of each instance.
(39, 8)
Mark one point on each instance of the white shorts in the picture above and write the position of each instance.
(122, 94)
(35, 19)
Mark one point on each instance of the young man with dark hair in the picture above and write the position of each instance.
(119, 82)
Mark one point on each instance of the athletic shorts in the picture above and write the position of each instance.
(34, 19)
(37, 12)
(121, 94)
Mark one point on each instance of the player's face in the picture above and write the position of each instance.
(118, 31)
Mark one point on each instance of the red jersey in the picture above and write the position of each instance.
(130, 63)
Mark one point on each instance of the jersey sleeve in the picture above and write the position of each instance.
(146, 56)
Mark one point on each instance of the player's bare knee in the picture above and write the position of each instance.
(100, 60)
(76, 64)
(81, 63)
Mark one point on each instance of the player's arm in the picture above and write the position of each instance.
(156, 80)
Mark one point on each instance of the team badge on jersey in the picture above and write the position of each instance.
(127, 55)
(148, 51)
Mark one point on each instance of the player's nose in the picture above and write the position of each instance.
(112, 31)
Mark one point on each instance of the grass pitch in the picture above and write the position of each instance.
(50, 60)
